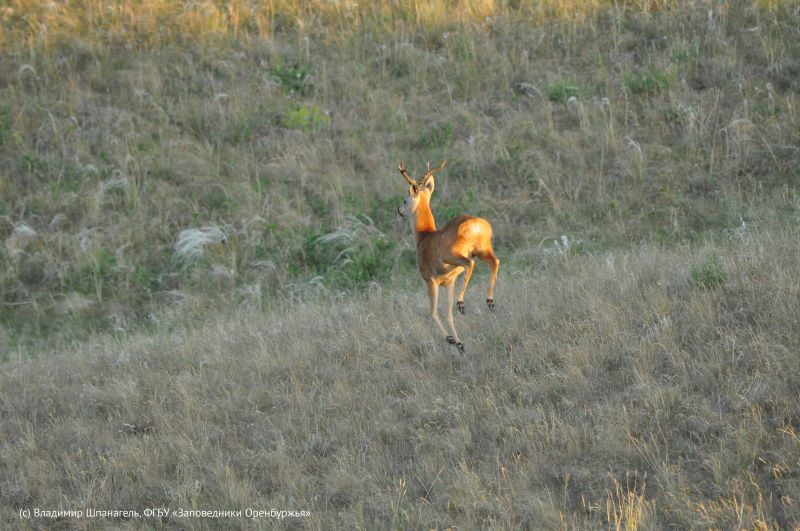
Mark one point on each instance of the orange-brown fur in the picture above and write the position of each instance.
(442, 255)
(440, 252)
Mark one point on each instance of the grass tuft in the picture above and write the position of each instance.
(710, 273)
(192, 243)
(561, 91)
(648, 81)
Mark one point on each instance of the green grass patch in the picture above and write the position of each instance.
(648, 81)
(561, 91)
(305, 117)
(685, 53)
(144, 279)
(766, 109)
(465, 202)
(709, 274)
(5, 122)
(348, 257)
(293, 78)
(435, 137)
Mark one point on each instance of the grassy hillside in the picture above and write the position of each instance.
(207, 300)
(271, 141)
(627, 390)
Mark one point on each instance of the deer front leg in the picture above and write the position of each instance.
(433, 298)
(451, 288)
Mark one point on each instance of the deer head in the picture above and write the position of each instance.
(417, 190)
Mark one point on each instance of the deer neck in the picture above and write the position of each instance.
(423, 221)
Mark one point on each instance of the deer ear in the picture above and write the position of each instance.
(429, 183)
(413, 189)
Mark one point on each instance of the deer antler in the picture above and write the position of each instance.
(404, 172)
(429, 172)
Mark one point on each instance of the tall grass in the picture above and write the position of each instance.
(124, 125)
(208, 301)
(159, 22)
(610, 393)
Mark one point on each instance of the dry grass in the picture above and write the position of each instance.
(158, 22)
(207, 300)
(611, 393)
(636, 122)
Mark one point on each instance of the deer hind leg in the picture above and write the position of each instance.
(494, 263)
(461, 293)
(453, 340)
(468, 264)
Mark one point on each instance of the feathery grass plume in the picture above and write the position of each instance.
(563, 247)
(738, 232)
(355, 232)
(22, 236)
(356, 252)
(192, 243)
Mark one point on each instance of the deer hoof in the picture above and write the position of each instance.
(460, 306)
(490, 304)
(451, 340)
(460, 347)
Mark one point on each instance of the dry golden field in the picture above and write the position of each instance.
(208, 301)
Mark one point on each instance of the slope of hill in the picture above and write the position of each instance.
(208, 303)
(163, 157)
(633, 390)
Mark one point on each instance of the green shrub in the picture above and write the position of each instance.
(353, 254)
(293, 78)
(709, 274)
(437, 137)
(373, 264)
(144, 280)
(4, 123)
(561, 91)
(766, 109)
(305, 118)
(685, 53)
(464, 202)
(646, 81)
